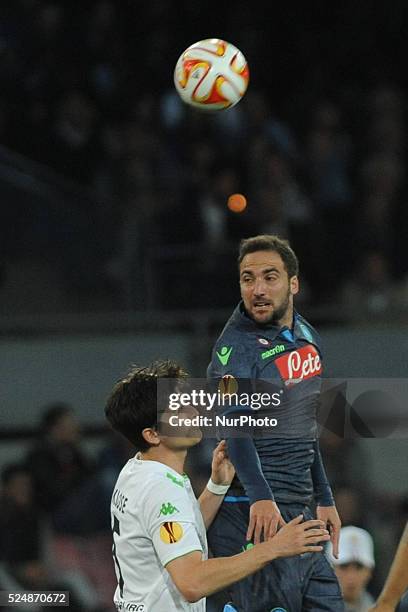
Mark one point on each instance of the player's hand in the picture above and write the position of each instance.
(331, 519)
(297, 537)
(379, 607)
(222, 470)
(264, 520)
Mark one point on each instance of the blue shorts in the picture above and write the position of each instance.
(293, 584)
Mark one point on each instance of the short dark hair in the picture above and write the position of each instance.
(271, 242)
(132, 404)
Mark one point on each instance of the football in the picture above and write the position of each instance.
(211, 74)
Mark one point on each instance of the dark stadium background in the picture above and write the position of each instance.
(116, 245)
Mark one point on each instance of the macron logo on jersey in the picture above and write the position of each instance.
(299, 365)
(273, 351)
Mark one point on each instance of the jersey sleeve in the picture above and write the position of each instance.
(231, 359)
(244, 457)
(169, 519)
(322, 491)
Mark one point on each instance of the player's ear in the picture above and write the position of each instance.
(151, 436)
(294, 285)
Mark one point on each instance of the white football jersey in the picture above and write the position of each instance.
(155, 519)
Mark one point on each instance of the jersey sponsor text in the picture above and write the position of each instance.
(299, 365)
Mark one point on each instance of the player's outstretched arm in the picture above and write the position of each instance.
(397, 580)
(325, 509)
(196, 578)
(264, 515)
(222, 473)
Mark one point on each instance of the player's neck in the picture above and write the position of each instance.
(173, 458)
(287, 319)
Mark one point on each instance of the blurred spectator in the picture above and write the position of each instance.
(57, 461)
(73, 140)
(351, 507)
(114, 454)
(279, 204)
(385, 121)
(65, 478)
(262, 122)
(327, 170)
(382, 191)
(354, 567)
(369, 290)
(341, 455)
(20, 528)
(23, 539)
(219, 227)
(72, 493)
(282, 204)
(380, 181)
(200, 232)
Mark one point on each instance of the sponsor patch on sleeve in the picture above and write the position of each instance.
(171, 532)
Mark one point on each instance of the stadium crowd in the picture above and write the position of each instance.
(318, 147)
(87, 91)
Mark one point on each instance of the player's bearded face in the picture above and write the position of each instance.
(266, 289)
(271, 312)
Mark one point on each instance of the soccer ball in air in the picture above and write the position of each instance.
(211, 75)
